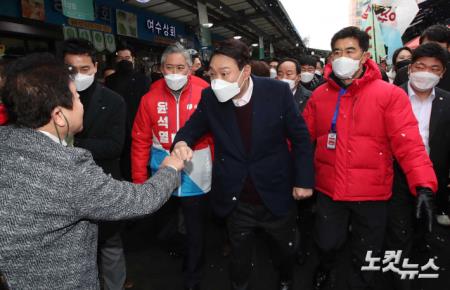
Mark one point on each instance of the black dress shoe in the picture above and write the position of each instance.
(286, 285)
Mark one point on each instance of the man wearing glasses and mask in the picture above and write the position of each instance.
(103, 135)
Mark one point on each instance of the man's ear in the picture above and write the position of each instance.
(247, 70)
(443, 72)
(95, 66)
(366, 55)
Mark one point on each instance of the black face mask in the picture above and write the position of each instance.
(401, 64)
(156, 76)
(124, 67)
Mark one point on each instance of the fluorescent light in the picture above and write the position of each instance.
(254, 44)
(237, 37)
(143, 1)
(207, 25)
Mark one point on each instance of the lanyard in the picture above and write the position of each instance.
(336, 111)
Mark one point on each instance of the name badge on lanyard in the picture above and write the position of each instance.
(332, 136)
(331, 141)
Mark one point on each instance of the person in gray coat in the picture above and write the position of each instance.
(51, 195)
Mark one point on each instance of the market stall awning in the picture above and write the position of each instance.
(246, 18)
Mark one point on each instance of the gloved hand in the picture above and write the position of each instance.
(425, 203)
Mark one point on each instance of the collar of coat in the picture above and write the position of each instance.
(371, 73)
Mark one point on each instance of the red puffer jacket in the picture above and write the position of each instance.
(157, 121)
(375, 124)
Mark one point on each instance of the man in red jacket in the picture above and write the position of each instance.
(162, 112)
(359, 124)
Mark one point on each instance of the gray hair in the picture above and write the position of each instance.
(177, 48)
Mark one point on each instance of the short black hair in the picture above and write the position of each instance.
(293, 60)
(35, 85)
(78, 46)
(308, 60)
(430, 49)
(321, 63)
(397, 52)
(124, 46)
(354, 32)
(236, 50)
(438, 33)
(260, 68)
(194, 56)
(273, 59)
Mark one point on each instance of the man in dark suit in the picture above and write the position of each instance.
(431, 107)
(131, 85)
(255, 175)
(103, 135)
(439, 34)
(289, 71)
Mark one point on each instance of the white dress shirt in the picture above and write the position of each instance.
(422, 111)
(53, 137)
(245, 99)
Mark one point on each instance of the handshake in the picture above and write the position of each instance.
(181, 152)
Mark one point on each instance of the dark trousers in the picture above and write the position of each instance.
(400, 234)
(194, 210)
(242, 223)
(442, 200)
(367, 221)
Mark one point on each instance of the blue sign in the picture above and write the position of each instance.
(149, 25)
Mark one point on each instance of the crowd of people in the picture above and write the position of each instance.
(346, 159)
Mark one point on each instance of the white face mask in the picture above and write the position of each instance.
(273, 73)
(306, 77)
(345, 68)
(290, 82)
(175, 81)
(423, 80)
(224, 90)
(318, 72)
(82, 81)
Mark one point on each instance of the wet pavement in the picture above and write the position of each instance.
(152, 264)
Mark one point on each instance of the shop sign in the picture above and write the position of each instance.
(70, 32)
(160, 28)
(78, 9)
(84, 34)
(33, 9)
(163, 40)
(126, 23)
(89, 25)
(110, 42)
(98, 40)
(102, 12)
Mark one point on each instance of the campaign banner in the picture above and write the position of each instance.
(371, 25)
(394, 17)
